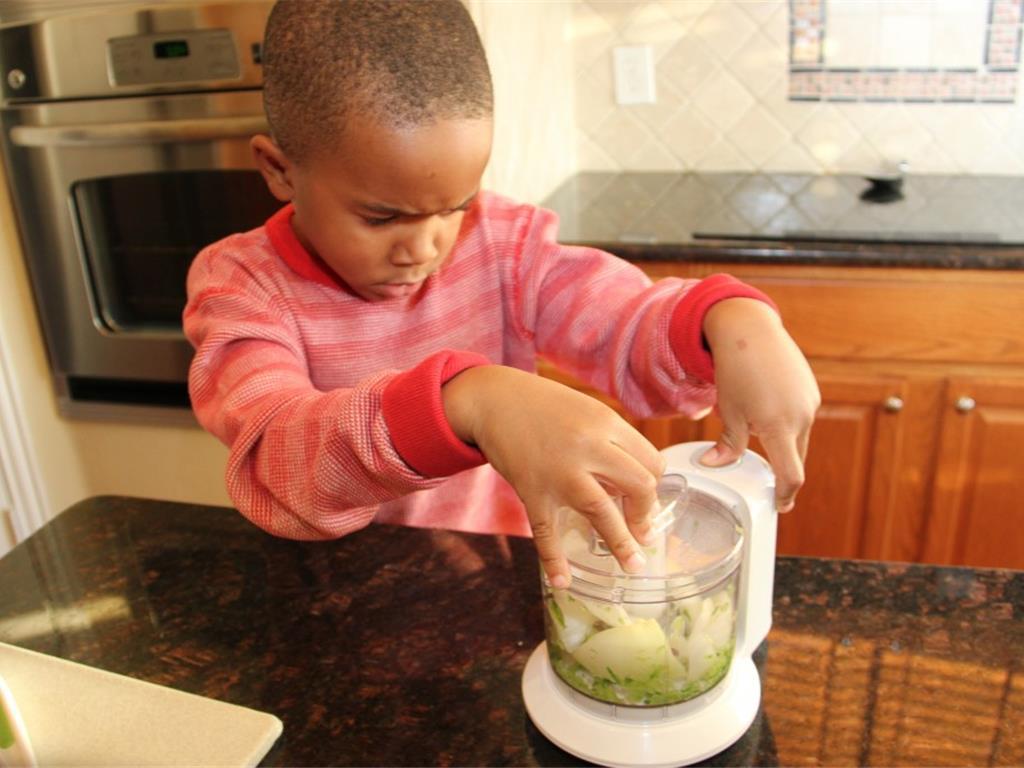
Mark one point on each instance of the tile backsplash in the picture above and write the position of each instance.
(739, 89)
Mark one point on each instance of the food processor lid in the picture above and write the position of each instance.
(703, 535)
(699, 540)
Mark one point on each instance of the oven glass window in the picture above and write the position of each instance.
(141, 232)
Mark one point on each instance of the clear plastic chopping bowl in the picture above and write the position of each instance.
(659, 637)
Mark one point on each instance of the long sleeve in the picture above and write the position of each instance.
(602, 320)
(305, 462)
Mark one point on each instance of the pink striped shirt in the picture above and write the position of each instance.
(331, 405)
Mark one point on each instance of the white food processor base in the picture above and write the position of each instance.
(631, 737)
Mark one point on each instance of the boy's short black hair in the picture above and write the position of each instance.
(402, 62)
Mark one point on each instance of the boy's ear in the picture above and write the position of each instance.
(274, 166)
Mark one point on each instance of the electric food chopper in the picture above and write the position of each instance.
(655, 669)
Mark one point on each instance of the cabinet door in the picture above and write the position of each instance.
(978, 494)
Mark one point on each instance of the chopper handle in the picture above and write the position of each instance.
(751, 483)
(138, 132)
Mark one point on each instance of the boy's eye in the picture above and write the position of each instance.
(378, 221)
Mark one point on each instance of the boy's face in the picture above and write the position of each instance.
(384, 209)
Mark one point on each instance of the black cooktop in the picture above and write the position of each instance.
(665, 207)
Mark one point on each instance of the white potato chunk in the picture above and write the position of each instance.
(645, 610)
(573, 622)
(677, 639)
(612, 614)
(701, 632)
(636, 651)
(701, 655)
(703, 616)
(720, 627)
(676, 668)
(689, 609)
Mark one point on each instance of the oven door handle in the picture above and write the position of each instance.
(141, 132)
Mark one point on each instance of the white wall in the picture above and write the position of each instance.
(49, 446)
(8, 538)
(531, 64)
(176, 463)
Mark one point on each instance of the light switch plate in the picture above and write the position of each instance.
(634, 74)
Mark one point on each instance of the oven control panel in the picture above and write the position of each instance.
(196, 55)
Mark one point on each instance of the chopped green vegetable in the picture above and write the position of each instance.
(556, 612)
(641, 661)
(571, 623)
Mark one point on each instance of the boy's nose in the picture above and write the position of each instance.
(419, 247)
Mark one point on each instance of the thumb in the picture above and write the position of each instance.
(728, 448)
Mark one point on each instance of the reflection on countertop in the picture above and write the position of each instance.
(399, 646)
(945, 221)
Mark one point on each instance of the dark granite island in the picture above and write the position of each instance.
(398, 646)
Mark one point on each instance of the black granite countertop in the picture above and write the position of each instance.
(965, 222)
(398, 646)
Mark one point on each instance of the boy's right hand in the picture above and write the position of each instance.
(559, 448)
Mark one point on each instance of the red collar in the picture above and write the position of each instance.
(301, 261)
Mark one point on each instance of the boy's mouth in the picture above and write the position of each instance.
(398, 290)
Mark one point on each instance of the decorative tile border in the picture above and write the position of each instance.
(995, 81)
(806, 32)
(1002, 48)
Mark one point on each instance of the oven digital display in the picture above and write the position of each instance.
(171, 49)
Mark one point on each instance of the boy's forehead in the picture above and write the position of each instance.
(431, 167)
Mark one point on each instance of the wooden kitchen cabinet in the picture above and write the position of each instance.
(917, 453)
(978, 494)
(847, 505)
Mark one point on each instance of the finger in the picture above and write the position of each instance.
(604, 516)
(634, 478)
(784, 456)
(640, 449)
(729, 447)
(802, 442)
(543, 523)
(638, 489)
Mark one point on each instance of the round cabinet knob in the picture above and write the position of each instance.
(893, 404)
(16, 79)
(965, 404)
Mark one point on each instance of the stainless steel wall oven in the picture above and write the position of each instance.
(125, 138)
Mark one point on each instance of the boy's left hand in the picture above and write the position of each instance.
(765, 388)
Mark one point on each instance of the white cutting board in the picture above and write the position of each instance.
(81, 716)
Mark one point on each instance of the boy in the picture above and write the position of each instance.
(366, 351)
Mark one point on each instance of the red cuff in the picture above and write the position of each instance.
(686, 329)
(414, 414)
